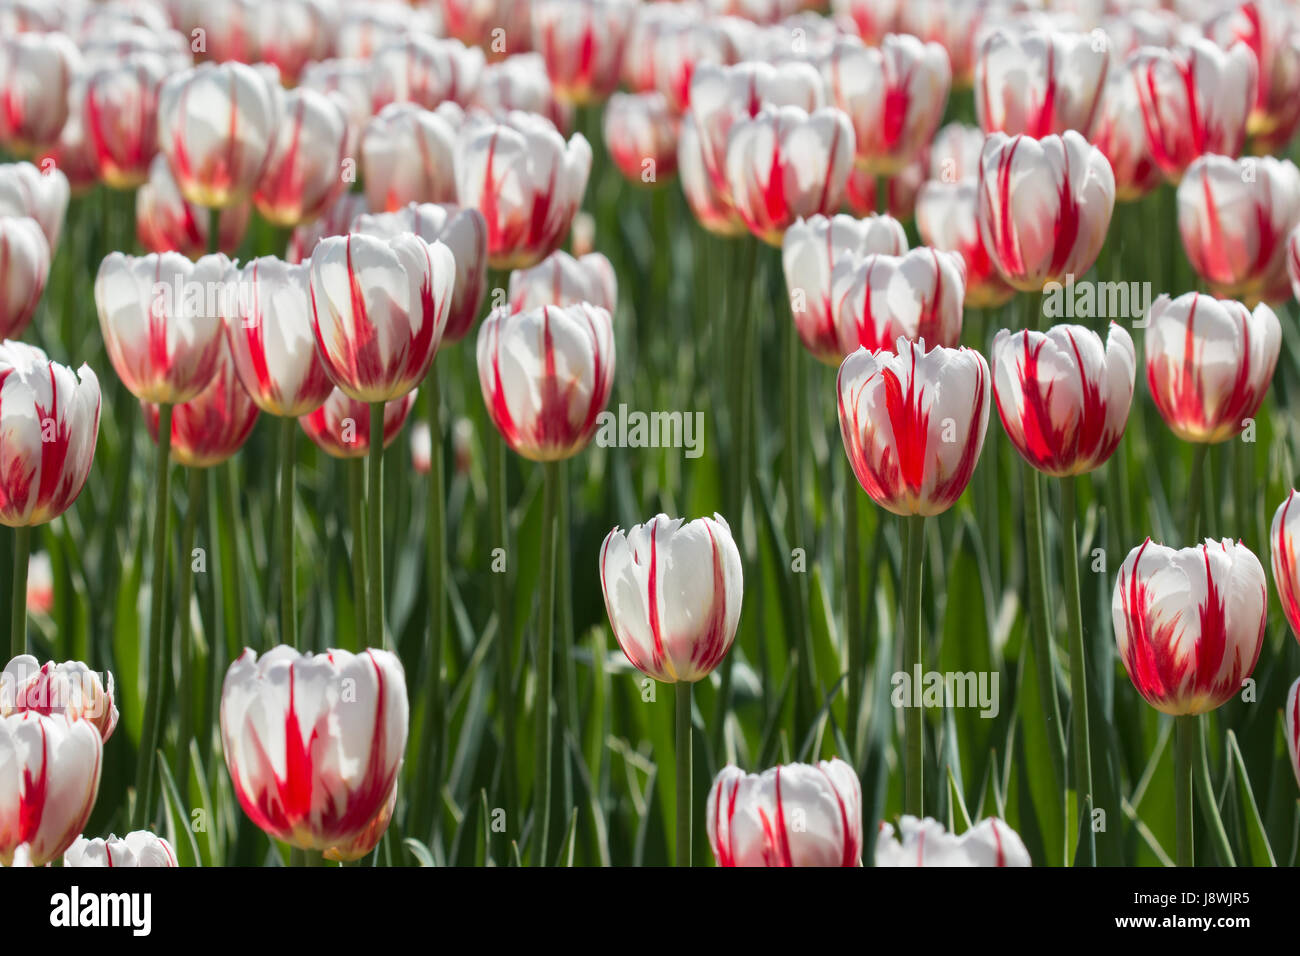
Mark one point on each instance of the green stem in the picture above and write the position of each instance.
(913, 726)
(184, 642)
(374, 528)
(792, 402)
(214, 231)
(1185, 733)
(436, 561)
(498, 539)
(1078, 665)
(857, 679)
(288, 600)
(18, 610)
(159, 663)
(682, 694)
(1205, 794)
(1195, 491)
(545, 665)
(356, 469)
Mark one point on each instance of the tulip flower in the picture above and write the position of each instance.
(304, 172)
(49, 777)
(1044, 206)
(809, 252)
(1286, 572)
(525, 180)
(217, 126)
(73, 154)
(419, 69)
(36, 70)
(335, 221)
(520, 82)
(365, 29)
(472, 21)
(348, 81)
(24, 269)
(1039, 84)
(1194, 100)
(166, 222)
(641, 134)
(120, 110)
(421, 448)
(140, 848)
(954, 154)
(286, 34)
(883, 299)
(900, 192)
(562, 280)
(794, 815)
(871, 18)
(1234, 216)
(341, 427)
(1209, 363)
(582, 42)
(894, 95)
(953, 24)
(786, 164)
(28, 191)
(464, 232)
(314, 744)
(1119, 132)
(211, 426)
(1292, 717)
(40, 584)
(663, 52)
(946, 220)
(407, 154)
(926, 843)
(1269, 29)
(69, 688)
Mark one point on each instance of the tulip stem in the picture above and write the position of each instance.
(1196, 491)
(1184, 755)
(18, 611)
(1078, 666)
(498, 537)
(214, 231)
(374, 527)
(288, 608)
(682, 694)
(913, 726)
(1205, 793)
(357, 514)
(436, 534)
(158, 665)
(856, 685)
(793, 403)
(184, 643)
(545, 664)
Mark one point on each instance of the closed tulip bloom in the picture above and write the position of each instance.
(36, 70)
(1234, 216)
(809, 252)
(341, 427)
(1293, 260)
(672, 55)
(786, 164)
(161, 322)
(304, 171)
(348, 81)
(69, 688)
(140, 848)
(119, 107)
(40, 584)
(49, 777)
(946, 219)
(49, 423)
(286, 34)
(894, 95)
(1064, 395)
(1292, 717)
(520, 82)
(72, 153)
(407, 155)
(560, 279)
(673, 593)
(421, 448)
(913, 423)
(314, 743)
(882, 299)
(464, 232)
(794, 815)
(425, 71)
(336, 220)
(1189, 624)
(216, 126)
(953, 24)
(954, 153)
(1268, 28)
(165, 221)
(1284, 536)
(214, 424)
(1119, 132)
(526, 181)
(26, 190)
(926, 843)
(1044, 206)
(1038, 83)
(582, 42)
(546, 374)
(900, 191)
(1194, 100)
(24, 269)
(871, 18)
(641, 135)
(1209, 363)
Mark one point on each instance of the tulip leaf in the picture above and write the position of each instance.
(1261, 853)
(177, 817)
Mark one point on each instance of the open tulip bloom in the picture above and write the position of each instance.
(926, 843)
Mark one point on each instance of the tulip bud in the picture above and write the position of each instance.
(49, 776)
(407, 154)
(1120, 134)
(560, 279)
(1038, 83)
(1209, 363)
(1063, 396)
(341, 427)
(69, 688)
(214, 424)
(419, 69)
(913, 423)
(673, 593)
(304, 170)
(1044, 206)
(24, 269)
(642, 137)
(36, 71)
(881, 299)
(582, 42)
(1286, 572)
(119, 106)
(794, 815)
(42, 195)
(926, 843)
(314, 744)
(166, 222)
(1189, 624)
(40, 584)
(379, 308)
(335, 221)
(140, 848)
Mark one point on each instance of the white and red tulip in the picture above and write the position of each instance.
(165, 221)
(880, 299)
(341, 427)
(43, 195)
(582, 43)
(641, 134)
(946, 218)
(69, 688)
(408, 155)
(419, 69)
(1120, 133)
(1284, 536)
(119, 113)
(36, 71)
(1039, 83)
(304, 171)
(561, 279)
(926, 843)
(140, 848)
(24, 270)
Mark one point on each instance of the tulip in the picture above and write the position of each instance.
(1286, 576)
(786, 164)
(40, 584)
(407, 154)
(464, 232)
(525, 180)
(562, 280)
(49, 777)
(521, 83)
(1194, 100)
(367, 28)
(809, 253)
(166, 222)
(73, 154)
(894, 95)
(882, 299)
(69, 688)
(900, 192)
(953, 24)
(472, 21)
(955, 153)
(641, 135)
(211, 426)
(341, 427)
(1209, 363)
(286, 34)
(794, 815)
(1044, 206)
(422, 448)
(217, 126)
(304, 172)
(1119, 132)
(36, 70)
(1038, 84)
(335, 221)
(872, 19)
(314, 744)
(27, 191)
(663, 57)
(24, 269)
(348, 81)
(1234, 217)
(1292, 717)
(119, 106)
(140, 848)
(582, 42)
(425, 71)
(946, 220)
(926, 843)
(1269, 29)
